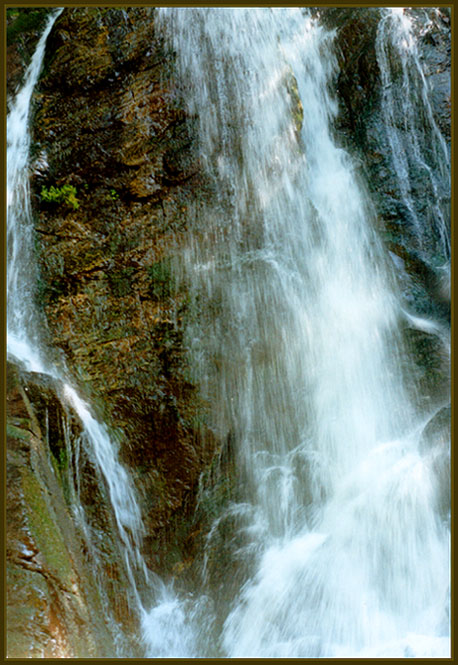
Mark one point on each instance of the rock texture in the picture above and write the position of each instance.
(108, 123)
(24, 27)
(361, 128)
(112, 138)
(418, 259)
(55, 607)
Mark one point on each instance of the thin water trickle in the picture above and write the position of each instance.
(297, 351)
(407, 110)
(26, 345)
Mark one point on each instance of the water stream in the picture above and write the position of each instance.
(27, 345)
(421, 159)
(297, 349)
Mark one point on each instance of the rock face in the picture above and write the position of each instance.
(362, 127)
(55, 608)
(24, 27)
(114, 168)
(108, 124)
(410, 205)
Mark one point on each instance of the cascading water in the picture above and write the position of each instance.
(299, 353)
(419, 154)
(22, 326)
(421, 159)
(25, 343)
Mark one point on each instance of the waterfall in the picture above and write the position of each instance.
(26, 341)
(22, 326)
(421, 159)
(335, 532)
(298, 350)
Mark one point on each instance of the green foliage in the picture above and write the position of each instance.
(114, 196)
(22, 20)
(12, 13)
(63, 195)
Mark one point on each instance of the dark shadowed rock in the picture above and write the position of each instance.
(411, 230)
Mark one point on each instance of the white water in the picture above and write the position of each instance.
(407, 109)
(25, 343)
(298, 353)
(22, 325)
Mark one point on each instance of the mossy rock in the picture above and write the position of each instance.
(24, 20)
(45, 530)
(296, 103)
(17, 432)
(26, 615)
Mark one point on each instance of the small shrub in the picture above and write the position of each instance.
(62, 195)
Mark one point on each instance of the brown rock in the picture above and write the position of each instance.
(53, 605)
(108, 121)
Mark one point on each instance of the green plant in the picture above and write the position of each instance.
(22, 20)
(65, 195)
(114, 195)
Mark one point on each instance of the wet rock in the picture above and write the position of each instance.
(431, 383)
(437, 431)
(358, 74)
(360, 126)
(435, 444)
(412, 232)
(54, 609)
(23, 30)
(109, 121)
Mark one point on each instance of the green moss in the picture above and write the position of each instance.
(27, 598)
(161, 285)
(120, 281)
(216, 490)
(59, 459)
(44, 528)
(49, 292)
(21, 20)
(16, 432)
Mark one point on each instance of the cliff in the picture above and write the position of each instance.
(114, 170)
(108, 123)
